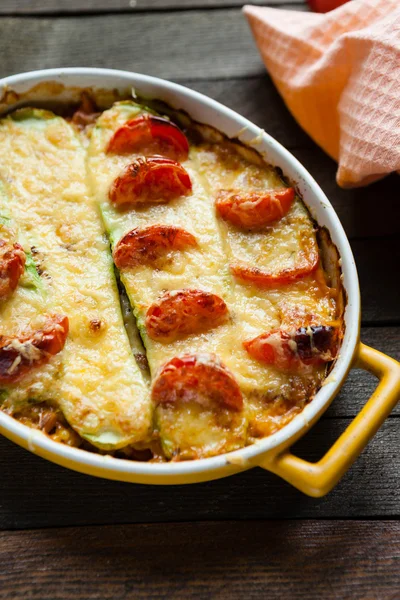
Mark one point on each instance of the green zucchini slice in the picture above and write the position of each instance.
(200, 267)
(94, 379)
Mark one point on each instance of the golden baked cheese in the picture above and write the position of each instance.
(94, 379)
(219, 263)
(202, 267)
(269, 394)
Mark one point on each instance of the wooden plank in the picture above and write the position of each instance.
(376, 260)
(360, 385)
(36, 493)
(185, 44)
(37, 7)
(254, 560)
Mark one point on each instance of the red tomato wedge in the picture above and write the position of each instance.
(150, 135)
(253, 210)
(183, 312)
(12, 265)
(296, 349)
(308, 262)
(151, 180)
(200, 378)
(147, 245)
(20, 354)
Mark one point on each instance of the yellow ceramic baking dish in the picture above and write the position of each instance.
(272, 453)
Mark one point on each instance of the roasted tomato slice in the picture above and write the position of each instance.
(20, 354)
(153, 179)
(200, 378)
(308, 262)
(295, 350)
(146, 246)
(150, 135)
(183, 312)
(253, 210)
(12, 264)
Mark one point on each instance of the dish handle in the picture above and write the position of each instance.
(317, 479)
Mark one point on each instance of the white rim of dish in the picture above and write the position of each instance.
(267, 145)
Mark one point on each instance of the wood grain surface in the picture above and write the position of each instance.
(36, 493)
(286, 560)
(70, 536)
(201, 44)
(37, 7)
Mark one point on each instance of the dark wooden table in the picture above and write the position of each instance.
(66, 535)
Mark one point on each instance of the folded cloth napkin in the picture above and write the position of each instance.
(339, 74)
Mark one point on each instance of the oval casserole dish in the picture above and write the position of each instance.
(272, 453)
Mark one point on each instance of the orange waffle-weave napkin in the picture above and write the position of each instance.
(339, 74)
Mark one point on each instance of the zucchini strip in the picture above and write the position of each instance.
(276, 396)
(94, 379)
(187, 430)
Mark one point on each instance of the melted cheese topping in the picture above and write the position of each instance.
(191, 431)
(252, 311)
(202, 268)
(94, 379)
(272, 249)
